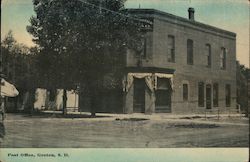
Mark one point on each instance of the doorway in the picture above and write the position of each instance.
(163, 96)
(139, 96)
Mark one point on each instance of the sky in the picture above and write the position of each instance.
(225, 14)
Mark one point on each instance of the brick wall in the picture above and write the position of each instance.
(191, 74)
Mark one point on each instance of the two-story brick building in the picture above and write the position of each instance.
(184, 67)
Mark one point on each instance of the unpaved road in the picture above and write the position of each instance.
(26, 131)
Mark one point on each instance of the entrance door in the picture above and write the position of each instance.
(163, 101)
(208, 97)
(139, 95)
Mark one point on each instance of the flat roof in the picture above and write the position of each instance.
(154, 12)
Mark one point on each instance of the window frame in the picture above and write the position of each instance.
(215, 95)
(190, 52)
(171, 49)
(208, 55)
(144, 42)
(185, 94)
(223, 58)
(201, 97)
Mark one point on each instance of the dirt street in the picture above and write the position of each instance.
(112, 131)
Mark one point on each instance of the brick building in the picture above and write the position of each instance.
(184, 67)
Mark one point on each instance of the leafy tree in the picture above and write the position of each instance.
(242, 84)
(81, 42)
(244, 70)
(18, 65)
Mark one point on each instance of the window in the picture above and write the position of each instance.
(228, 95)
(171, 48)
(208, 54)
(190, 52)
(185, 92)
(163, 83)
(215, 94)
(144, 43)
(142, 48)
(201, 94)
(208, 96)
(223, 58)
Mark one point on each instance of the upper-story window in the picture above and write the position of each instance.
(223, 58)
(171, 48)
(208, 55)
(190, 46)
(144, 46)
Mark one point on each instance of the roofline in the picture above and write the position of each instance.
(191, 22)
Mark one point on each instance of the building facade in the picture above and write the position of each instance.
(185, 67)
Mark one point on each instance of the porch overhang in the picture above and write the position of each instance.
(149, 70)
(149, 73)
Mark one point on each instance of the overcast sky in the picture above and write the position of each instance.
(226, 14)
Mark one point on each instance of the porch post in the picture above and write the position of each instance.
(128, 100)
(149, 101)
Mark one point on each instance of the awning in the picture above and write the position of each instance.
(7, 89)
(162, 75)
(150, 79)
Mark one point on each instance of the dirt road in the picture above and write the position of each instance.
(107, 132)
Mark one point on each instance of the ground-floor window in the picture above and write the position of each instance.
(208, 96)
(201, 94)
(228, 95)
(215, 95)
(185, 92)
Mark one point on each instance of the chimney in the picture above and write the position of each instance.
(191, 13)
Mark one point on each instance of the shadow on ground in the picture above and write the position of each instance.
(59, 115)
(194, 117)
(194, 125)
(131, 119)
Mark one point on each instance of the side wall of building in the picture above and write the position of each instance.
(199, 71)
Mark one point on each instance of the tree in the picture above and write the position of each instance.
(18, 65)
(82, 42)
(242, 88)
